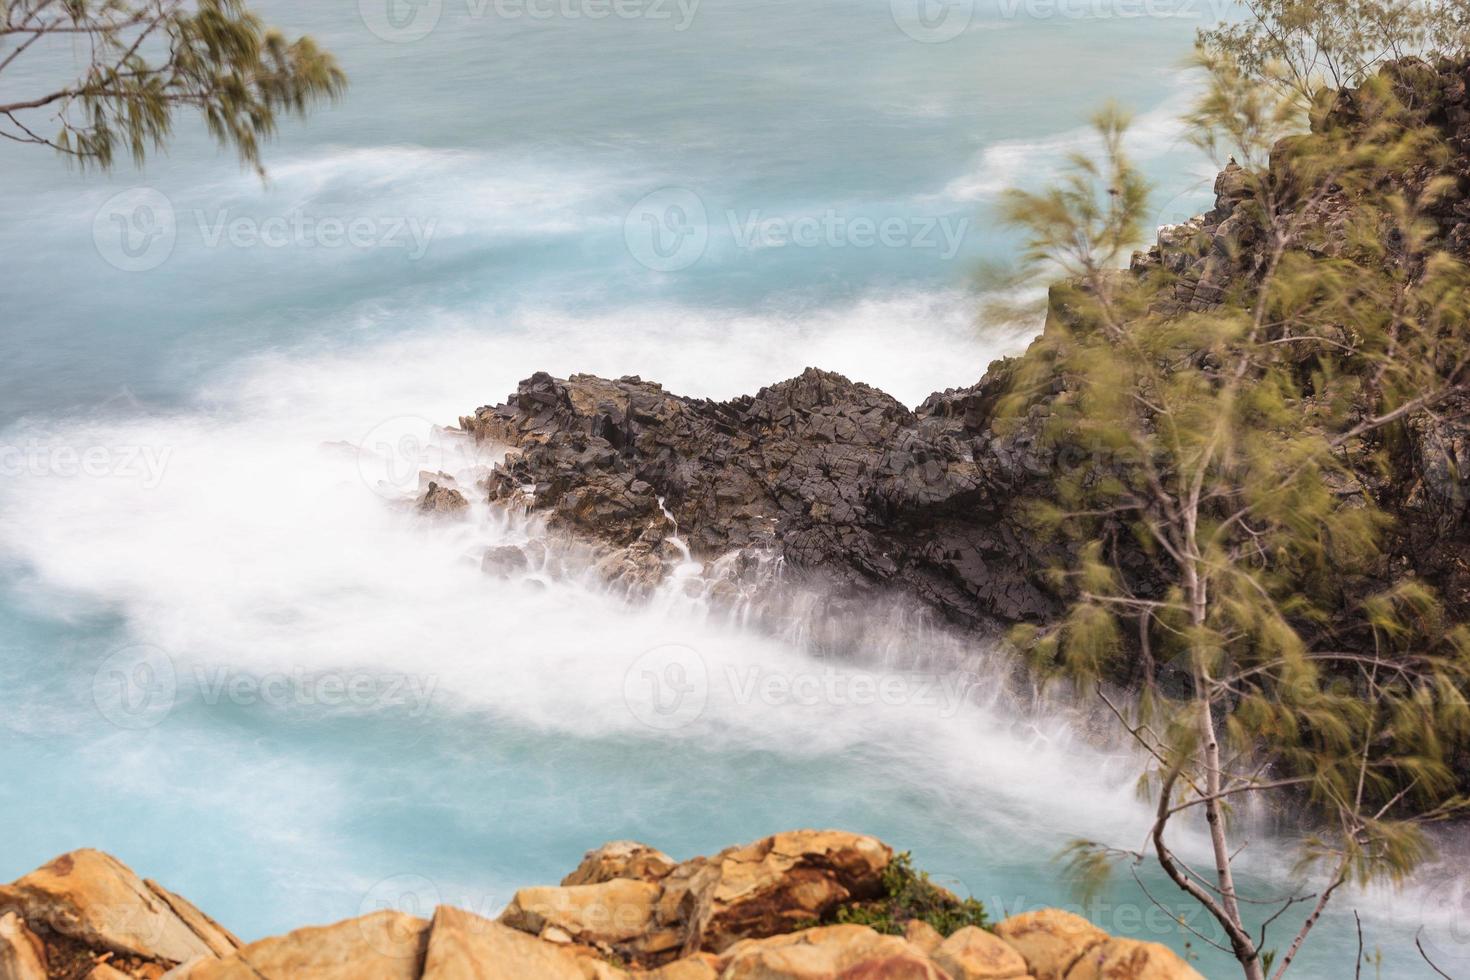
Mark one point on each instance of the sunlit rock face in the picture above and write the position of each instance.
(750, 912)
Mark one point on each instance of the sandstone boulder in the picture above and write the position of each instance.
(94, 900)
(612, 914)
(621, 859)
(631, 900)
(384, 945)
(974, 954)
(923, 935)
(776, 884)
(1050, 941)
(464, 946)
(105, 971)
(845, 952)
(22, 954)
(221, 941)
(1129, 959)
(700, 966)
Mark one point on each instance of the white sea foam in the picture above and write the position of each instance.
(271, 544)
(279, 541)
(1029, 163)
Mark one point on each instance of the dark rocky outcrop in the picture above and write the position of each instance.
(442, 501)
(836, 478)
(848, 487)
(845, 485)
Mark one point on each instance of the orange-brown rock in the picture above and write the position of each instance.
(385, 945)
(22, 954)
(106, 971)
(638, 906)
(96, 901)
(700, 966)
(1129, 959)
(776, 884)
(612, 914)
(621, 859)
(464, 946)
(923, 935)
(845, 952)
(974, 954)
(1050, 940)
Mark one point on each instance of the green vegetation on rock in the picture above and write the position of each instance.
(148, 60)
(1238, 400)
(910, 895)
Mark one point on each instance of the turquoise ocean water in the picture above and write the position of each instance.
(230, 656)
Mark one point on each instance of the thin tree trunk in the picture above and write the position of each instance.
(1245, 951)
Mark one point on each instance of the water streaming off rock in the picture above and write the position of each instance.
(266, 412)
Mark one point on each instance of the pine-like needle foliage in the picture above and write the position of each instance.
(145, 60)
(1230, 448)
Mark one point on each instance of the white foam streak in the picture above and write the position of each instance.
(281, 539)
(1029, 163)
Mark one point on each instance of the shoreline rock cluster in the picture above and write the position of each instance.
(848, 487)
(836, 479)
(801, 905)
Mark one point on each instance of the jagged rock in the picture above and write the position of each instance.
(849, 487)
(825, 953)
(923, 935)
(221, 941)
(463, 946)
(504, 561)
(700, 966)
(837, 478)
(22, 954)
(615, 914)
(708, 903)
(974, 954)
(93, 900)
(442, 501)
(1129, 959)
(774, 885)
(385, 945)
(621, 859)
(629, 912)
(1050, 941)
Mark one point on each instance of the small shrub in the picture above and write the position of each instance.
(910, 895)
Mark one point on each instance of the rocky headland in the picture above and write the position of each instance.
(801, 905)
(834, 482)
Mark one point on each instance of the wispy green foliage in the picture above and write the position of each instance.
(1317, 46)
(1228, 552)
(909, 895)
(149, 59)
